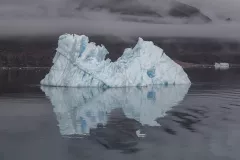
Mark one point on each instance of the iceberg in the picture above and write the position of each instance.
(80, 63)
(221, 66)
(78, 110)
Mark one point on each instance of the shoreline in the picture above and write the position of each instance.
(184, 65)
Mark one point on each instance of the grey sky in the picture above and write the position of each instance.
(34, 17)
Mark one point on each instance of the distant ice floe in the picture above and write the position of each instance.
(78, 110)
(79, 63)
(222, 66)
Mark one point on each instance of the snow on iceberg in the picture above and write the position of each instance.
(80, 109)
(80, 63)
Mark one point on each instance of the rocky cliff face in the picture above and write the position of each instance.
(190, 13)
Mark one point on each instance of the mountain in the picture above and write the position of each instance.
(166, 12)
(150, 11)
(39, 52)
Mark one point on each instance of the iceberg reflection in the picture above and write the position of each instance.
(80, 109)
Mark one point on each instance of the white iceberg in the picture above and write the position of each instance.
(221, 66)
(80, 109)
(80, 63)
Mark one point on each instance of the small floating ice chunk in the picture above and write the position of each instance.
(221, 65)
(139, 134)
(79, 62)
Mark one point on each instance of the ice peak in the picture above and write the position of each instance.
(140, 40)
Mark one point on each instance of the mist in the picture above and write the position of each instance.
(51, 17)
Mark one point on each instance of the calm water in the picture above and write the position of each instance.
(183, 122)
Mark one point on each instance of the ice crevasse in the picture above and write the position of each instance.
(79, 63)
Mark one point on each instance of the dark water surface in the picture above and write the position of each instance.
(182, 122)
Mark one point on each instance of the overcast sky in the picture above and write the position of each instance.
(35, 17)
